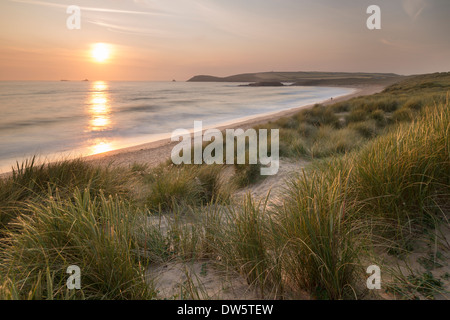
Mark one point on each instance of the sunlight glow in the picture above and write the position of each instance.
(99, 111)
(101, 147)
(101, 52)
(99, 86)
(99, 108)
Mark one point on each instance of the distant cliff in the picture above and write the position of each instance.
(305, 78)
(249, 77)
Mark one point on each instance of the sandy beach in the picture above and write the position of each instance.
(156, 152)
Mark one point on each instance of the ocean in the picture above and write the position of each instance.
(55, 120)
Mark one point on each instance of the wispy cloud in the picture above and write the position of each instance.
(389, 42)
(127, 29)
(414, 7)
(92, 9)
(403, 45)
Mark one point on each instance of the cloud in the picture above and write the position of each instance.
(393, 44)
(387, 42)
(129, 30)
(92, 9)
(414, 8)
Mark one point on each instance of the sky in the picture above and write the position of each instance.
(161, 40)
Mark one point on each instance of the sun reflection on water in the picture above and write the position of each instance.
(99, 108)
(99, 111)
(101, 147)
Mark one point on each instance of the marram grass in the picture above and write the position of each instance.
(96, 234)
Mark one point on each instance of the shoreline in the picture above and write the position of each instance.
(156, 152)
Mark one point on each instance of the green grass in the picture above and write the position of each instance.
(415, 287)
(242, 239)
(95, 234)
(395, 181)
(318, 237)
(185, 185)
(399, 174)
(29, 182)
(246, 174)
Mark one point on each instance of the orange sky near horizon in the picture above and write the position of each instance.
(164, 40)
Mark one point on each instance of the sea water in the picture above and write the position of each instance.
(71, 119)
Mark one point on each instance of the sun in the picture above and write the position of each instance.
(100, 52)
